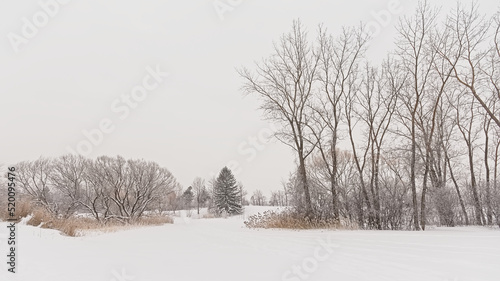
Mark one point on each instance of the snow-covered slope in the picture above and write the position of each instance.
(223, 249)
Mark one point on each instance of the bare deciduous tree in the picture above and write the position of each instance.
(469, 32)
(34, 180)
(68, 177)
(285, 84)
(377, 101)
(200, 192)
(108, 188)
(417, 56)
(337, 71)
(258, 199)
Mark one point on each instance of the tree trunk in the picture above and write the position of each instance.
(424, 192)
(489, 215)
(462, 205)
(333, 180)
(335, 199)
(376, 196)
(477, 203)
(305, 185)
(412, 175)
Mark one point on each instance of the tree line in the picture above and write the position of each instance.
(113, 188)
(411, 141)
(222, 196)
(108, 188)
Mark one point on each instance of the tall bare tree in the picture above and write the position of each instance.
(200, 192)
(68, 176)
(376, 100)
(338, 70)
(417, 56)
(469, 31)
(285, 83)
(34, 179)
(466, 118)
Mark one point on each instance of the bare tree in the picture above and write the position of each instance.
(285, 84)
(92, 197)
(200, 192)
(277, 198)
(437, 96)
(258, 199)
(126, 189)
(243, 194)
(466, 117)
(469, 32)
(492, 69)
(376, 102)
(34, 179)
(486, 128)
(417, 56)
(68, 176)
(338, 68)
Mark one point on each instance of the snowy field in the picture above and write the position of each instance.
(223, 249)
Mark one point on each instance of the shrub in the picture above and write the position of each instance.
(288, 219)
(40, 217)
(153, 220)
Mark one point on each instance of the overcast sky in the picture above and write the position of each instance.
(70, 68)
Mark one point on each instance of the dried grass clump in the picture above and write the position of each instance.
(288, 220)
(44, 219)
(39, 217)
(209, 216)
(78, 226)
(153, 220)
(22, 209)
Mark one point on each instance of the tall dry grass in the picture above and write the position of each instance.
(76, 226)
(292, 220)
(22, 209)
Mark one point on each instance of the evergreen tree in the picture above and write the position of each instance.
(187, 197)
(226, 193)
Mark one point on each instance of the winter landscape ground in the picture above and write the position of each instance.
(224, 249)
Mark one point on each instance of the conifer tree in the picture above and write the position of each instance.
(188, 197)
(226, 193)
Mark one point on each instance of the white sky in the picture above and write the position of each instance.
(67, 76)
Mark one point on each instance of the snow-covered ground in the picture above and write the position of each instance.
(223, 249)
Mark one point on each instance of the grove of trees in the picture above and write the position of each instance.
(108, 188)
(400, 145)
